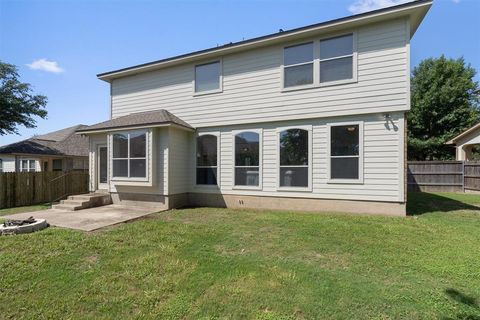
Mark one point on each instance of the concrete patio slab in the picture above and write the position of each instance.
(86, 219)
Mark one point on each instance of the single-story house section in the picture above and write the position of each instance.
(60, 150)
(465, 142)
(307, 119)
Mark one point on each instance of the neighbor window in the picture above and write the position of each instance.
(129, 155)
(298, 65)
(27, 165)
(207, 77)
(336, 59)
(345, 152)
(247, 159)
(1, 165)
(294, 158)
(207, 159)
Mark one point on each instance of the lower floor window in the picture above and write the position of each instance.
(27, 165)
(207, 153)
(130, 155)
(247, 159)
(294, 158)
(345, 152)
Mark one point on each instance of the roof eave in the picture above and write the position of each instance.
(416, 11)
(133, 127)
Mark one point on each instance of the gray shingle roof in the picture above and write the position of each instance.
(137, 119)
(60, 143)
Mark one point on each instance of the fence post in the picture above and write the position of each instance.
(463, 176)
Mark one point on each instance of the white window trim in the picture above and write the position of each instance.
(220, 80)
(208, 186)
(316, 64)
(360, 153)
(260, 160)
(29, 160)
(283, 67)
(309, 129)
(148, 147)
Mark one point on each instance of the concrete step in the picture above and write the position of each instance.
(83, 201)
(67, 207)
(75, 202)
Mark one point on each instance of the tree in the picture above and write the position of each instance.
(18, 105)
(445, 102)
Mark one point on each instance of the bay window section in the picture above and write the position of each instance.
(345, 152)
(247, 159)
(207, 160)
(129, 155)
(298, 65)
(294, 158)
(336, 59)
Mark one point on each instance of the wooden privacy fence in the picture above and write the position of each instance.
(27, 188)
(443, 176)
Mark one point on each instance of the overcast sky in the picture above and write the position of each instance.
(60, 46)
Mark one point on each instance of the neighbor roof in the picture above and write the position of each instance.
(143, 119)
(463, 134)
(415, 10)
(63, 142)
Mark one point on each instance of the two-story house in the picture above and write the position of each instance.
(307, 119)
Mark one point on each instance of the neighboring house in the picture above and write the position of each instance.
(60, 150)
(306, 119)
(465, 142)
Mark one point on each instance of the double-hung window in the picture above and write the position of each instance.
(129, 155)
(294, 158)
(298, 65)
(247, 159)
(207, 159)
(27, 165)
(208, 77)
(336, 59)
(346, 152)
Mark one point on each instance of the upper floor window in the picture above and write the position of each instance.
(294, 158)
(27, 165)
(247, 159)
(298, 65)
(336, 59)
(129, 155)
(345, 152)
(207, 159)
(208, 77)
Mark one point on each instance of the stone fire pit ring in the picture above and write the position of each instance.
(38, 225)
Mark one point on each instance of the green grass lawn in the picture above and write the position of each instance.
(35, 207)
(215, 263)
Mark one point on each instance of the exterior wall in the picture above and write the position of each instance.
(8, 163)
(383, 163)
(252, 85)
(181, 173)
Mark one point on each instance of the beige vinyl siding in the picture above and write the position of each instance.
(252, 86)
(382, 170)
(180, 173)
